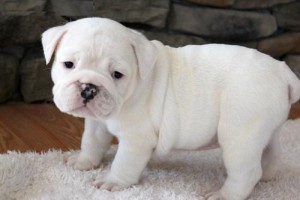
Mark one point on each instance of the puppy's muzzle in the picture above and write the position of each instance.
(88, 92)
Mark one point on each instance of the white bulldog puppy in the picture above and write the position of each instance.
(156, 98)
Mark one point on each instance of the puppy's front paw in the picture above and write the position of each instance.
(79, 162)
(107, 183)
(214, 196)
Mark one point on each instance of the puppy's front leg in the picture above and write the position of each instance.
(130, 161)
(95, 142)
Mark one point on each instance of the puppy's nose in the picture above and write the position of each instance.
(88, 92)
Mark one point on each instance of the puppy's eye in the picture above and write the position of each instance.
(117, 75)
(69, 64)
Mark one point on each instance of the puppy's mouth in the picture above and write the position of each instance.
(102, 103)
(85, 100)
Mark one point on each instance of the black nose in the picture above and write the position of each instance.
(88, 92)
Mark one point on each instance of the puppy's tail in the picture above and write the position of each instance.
(293, 83)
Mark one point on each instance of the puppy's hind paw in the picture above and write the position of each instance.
(214, 196)
(109, 186)
(80, 163)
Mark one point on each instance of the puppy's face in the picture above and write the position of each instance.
(97, 65)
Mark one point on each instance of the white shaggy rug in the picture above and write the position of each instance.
(180, 176)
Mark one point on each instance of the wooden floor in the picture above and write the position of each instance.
(37, 127)
(40, 127)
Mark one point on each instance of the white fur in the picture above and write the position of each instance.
(170, 98)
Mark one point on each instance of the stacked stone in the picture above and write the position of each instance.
(271, 26)
(23, 73)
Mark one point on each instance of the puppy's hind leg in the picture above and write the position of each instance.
(244, 131)
(242, 151)
(271, 157)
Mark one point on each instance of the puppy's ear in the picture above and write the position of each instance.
(145, 53)
(51, 39)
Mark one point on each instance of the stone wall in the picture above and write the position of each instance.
(271, 26)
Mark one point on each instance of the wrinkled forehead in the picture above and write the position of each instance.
(96, 43)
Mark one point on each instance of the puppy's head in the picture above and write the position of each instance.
(97, 65)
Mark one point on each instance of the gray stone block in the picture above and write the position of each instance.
(8, 76)
(150, 12)
(25, 29)
(254, 4)
(72, 8)
(36, 83)
(252, 44)
(293, 61)
(222, 24)
(17, 51)
(22, 7)
(280, 45)
(216, 3)
(172, 39)
(288, 16)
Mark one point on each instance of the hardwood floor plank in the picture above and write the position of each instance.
(67, 129)
(10, 141)
(29, 132)
(295, 111)
(34, 130)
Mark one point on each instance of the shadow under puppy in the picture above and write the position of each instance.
(156, 98)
